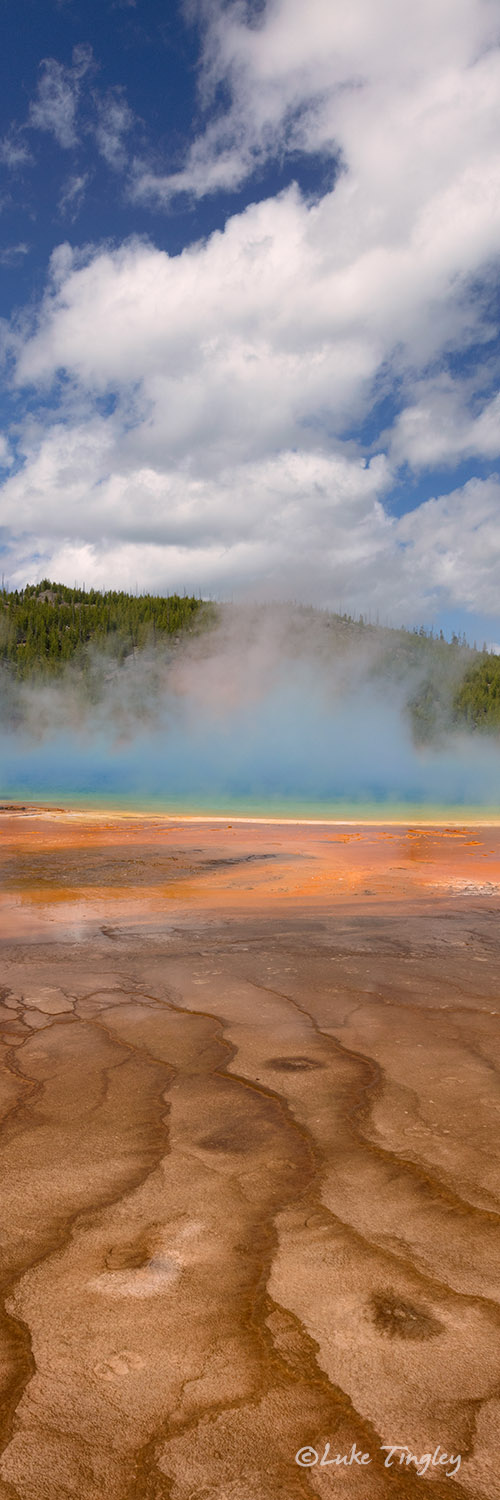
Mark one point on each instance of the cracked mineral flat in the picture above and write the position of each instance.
(248, 1159)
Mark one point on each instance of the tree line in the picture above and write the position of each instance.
(477, 700)
(45, 626)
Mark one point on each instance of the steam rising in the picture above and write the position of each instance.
(265, 711)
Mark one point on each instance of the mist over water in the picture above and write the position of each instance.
(247, 717)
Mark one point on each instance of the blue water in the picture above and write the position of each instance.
(281, 758)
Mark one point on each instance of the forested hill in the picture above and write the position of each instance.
(47, 628)
(46, 625)
(477, 701)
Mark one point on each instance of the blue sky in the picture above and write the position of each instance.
(250, 302)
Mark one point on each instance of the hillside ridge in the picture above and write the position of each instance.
(46, 628)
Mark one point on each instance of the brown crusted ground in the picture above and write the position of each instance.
(249, 1164)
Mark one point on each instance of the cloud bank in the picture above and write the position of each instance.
(236, 418)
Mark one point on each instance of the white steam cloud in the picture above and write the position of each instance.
(260, 712)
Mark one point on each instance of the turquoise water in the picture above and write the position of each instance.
(58, 786)
(286, 809)
(290, 756)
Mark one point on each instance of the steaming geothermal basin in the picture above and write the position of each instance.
(248, 1159)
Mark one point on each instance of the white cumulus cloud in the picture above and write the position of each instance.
(207, 405)
(441, 428)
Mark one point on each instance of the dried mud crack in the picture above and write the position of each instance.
(249, 1176)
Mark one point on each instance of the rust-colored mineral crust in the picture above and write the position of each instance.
(249, 1160)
